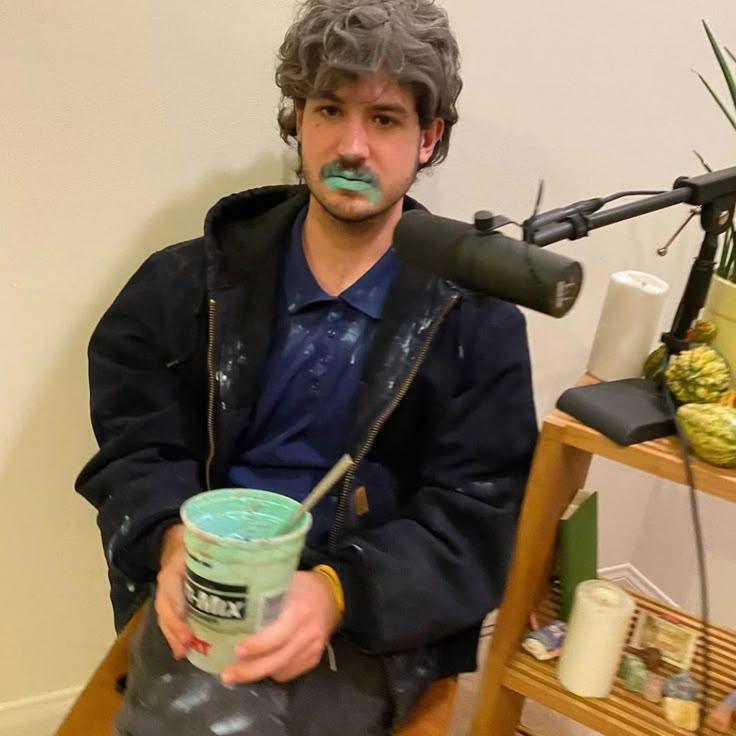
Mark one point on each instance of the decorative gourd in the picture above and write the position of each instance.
(699, 375)
(703, 331)
(711, 430)
(654, 365)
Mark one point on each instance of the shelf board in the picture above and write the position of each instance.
(660, 457)
(625, 713)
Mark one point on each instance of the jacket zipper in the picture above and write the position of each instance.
(211, 384)
(341, 511)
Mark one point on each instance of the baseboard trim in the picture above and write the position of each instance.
(628, 576)
(36, 716)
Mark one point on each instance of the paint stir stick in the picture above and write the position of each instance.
(318, 492)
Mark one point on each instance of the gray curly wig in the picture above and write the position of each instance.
(333, 42)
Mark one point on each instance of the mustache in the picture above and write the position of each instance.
(337, 169)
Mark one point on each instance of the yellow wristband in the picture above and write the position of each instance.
(335, 585)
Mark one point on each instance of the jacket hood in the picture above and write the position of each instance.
(242, 229)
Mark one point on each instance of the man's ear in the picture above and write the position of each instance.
(299, 106)
(431, 136)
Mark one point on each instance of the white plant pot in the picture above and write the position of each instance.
(720, 308)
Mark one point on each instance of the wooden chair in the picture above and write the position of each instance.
(93, 712)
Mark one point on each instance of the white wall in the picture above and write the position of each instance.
(123, 122)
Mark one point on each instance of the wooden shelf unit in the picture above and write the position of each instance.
(560, 468)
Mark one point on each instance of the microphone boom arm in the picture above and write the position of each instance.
(714, 193)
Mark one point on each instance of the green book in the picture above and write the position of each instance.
(578, 546)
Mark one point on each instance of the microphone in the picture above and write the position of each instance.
(485, 261)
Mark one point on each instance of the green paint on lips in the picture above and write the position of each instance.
(370, 190)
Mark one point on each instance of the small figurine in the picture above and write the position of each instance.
(651, 657)
(546, 642)
(682, 713)
(719, 719)
(653, 688)
(633, 672)
(626, 663)
(682, 687)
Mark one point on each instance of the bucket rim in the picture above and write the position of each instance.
(301, 529)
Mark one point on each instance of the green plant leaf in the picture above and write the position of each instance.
(730, 53)
(704, 164)
(717, 99)
(723, 261)
(731, 262)
(722, 63)
(727, 266)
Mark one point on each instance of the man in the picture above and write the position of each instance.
(290, 334)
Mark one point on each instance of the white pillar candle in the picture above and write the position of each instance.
(628, 326)
(597, 631)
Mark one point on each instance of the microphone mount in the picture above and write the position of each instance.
(714, 193)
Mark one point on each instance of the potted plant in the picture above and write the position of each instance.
(720, 306)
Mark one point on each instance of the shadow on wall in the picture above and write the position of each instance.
(56, 440)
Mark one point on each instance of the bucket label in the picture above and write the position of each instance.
(216, 600)
(271, 604)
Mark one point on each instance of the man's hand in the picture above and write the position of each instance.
(294, 643)
(170, 603)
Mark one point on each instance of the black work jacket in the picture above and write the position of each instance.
(442, 434)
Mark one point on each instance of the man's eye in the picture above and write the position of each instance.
(328, 111)
(384, 121)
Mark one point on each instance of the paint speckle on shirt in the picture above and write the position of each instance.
(352, 333)
(190, 699)
(241, 358)
(231, 725)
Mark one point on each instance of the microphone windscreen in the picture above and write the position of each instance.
(489, 262)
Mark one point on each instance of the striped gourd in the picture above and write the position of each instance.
(654, 365)
(699, 375)
(711, 430)
(703, 331)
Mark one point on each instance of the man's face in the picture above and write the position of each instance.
(362, 145)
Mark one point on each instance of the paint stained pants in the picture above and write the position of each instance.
(165, 696)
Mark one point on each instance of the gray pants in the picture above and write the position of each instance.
(169, 697)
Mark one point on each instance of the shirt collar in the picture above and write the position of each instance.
(301, 289)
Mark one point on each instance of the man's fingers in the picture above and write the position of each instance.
(171, 612)
(272, 637)
(178, 648)
(180, 629)
(308, 660)
(253, 669)
(177, 634)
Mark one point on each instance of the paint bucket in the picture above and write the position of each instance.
(238, 571)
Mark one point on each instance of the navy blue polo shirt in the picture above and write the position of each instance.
(304, 413)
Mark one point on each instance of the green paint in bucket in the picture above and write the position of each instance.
(238, 571)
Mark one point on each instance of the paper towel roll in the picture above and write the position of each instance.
(596, 634)
(628, 326)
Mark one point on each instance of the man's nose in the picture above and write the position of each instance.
(354, 146)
